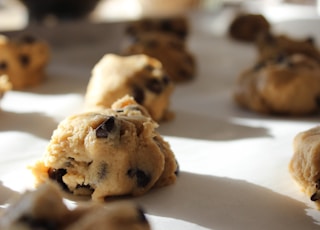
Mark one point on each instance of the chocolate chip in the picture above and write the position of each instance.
(3, 65)
(39, 223)
(258, 66)
(105, 128)
(142, 178)
(138, 95)
(24, 60)
(154, 85)
(56, 175)
(149, 68)
(315, 196)
(102, 171)
(280, 58)
(177, 171)
(166, 25)
(151, 43)
(166, 79)
(310, 40)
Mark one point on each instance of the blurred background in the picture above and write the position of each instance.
(17, 14)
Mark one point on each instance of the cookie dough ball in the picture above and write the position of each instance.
(140, 76)
(171, 51)
(23, 60)
(305, 163)
(270, 46)
(246, 27)
(288, 85)
(109, 153)
(178, 26)
(45, 209)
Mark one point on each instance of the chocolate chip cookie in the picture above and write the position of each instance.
(139, 76)
(178, 26)
(45, 209)
(246, 27)
(109, 153)
(171, 51)
(286, 85)
(23, 59)
(305, 163)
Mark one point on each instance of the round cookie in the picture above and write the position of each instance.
(44, 209)
(246, 27)
(23, 60)
(177, 26)
(140, 76)
(169, 50)
(109, 153)
(288, 85)
(305, 163)
(271, 46)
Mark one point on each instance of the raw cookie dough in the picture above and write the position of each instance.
(178, 26)
(171, 51)
(246, 27)
(108, 153)
(270, 46)
(44, 209)
(305, 163)
(23, 60)
(287, 85)
(140, 76)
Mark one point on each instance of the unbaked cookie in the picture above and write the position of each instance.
(44, 209)
(270, 46)
(246, 27)
(140, 76)
(287, 85)
(178, 26)
(24, 60)
(171, 51)
(108, 153)
(305, 163)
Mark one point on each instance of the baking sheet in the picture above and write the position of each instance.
(234, 163)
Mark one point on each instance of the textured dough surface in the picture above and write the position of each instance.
(108, 153)
(139, 76)
(288, 85)
(305, 163)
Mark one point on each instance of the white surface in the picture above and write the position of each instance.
(233, 162)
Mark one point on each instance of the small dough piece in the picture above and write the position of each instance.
(270, 46)
(305, 163)
(178, 26)
(246, 27)
(113, 152)
(171, 51)
(140, 76)
(23, 60)
(288, 85)
(45, 209)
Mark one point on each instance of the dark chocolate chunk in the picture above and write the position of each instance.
(166, 25)
(310, 40)
(166, 79)
(149, 68)
(56, 175)
(154, 85)
(39, 223)
(105, 128)
(28, 39)
(177, 171)
(142, 178)
(24, 60)
(138, 95)
(315, 196)
(3, 65)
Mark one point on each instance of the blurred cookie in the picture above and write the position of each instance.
(139, 76)
(113, 152)
(171, 51)
(5, 85)
(23, 60)
(304, 165)
(270, 46)
(178, 26)
(44, 209)
(246, 27)
(287, 85)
